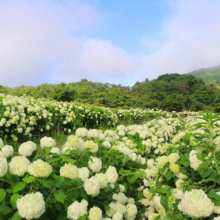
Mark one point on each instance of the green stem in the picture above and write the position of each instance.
(50, 193)
(74, 188)
(81, 156)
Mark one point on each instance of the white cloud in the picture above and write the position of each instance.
(49, 41)
(43, 41)
(193, 35)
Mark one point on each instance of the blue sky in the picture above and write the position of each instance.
(120, 42)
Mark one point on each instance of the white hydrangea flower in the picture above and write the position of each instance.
(120, 198)
(83, 173)
(120, 208)
(7, 151)
(73, 141)
(196, 204)
(150, 163)
(121, 188)
(81, 147)
(82, 132)
(121, 128)
(131, 211)
(69, 171)
(95, 213)
(194, 161)
(27, 148)
(121, 133)
(77, 209)
(19, 165)
(179, 184)
(39, 168)
(93, 133)
(92, 186)
(91, 145)
(117, 216)
(161, 161)
(217, 208)
(47, 142)
(177, 193)
(112, 174)
(3, 166)
(107, 144)
(55, 150)
(173, 157)
(95, 164)
(103, 180)
(1, 143)
(157, 204)
(31, 206)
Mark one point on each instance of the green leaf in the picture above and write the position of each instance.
(58, 179)
(207, 172)
(36, 185)
(164, 202)
(62, 216)
(52, 159)
(162, 190)
(168, 175)
(2, 194)
(82, 217)
(4, 210)
(29, 179)
(107, 207)
(204, 165)
(13, 200)
(186, 163)
(18, 187)
(125, 172)
(66, 158)
(48, 183)
(47, 150)
(74, 194)
(60, 196)
(16, 216)
(84, 194)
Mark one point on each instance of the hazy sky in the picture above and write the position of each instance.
(116, 41)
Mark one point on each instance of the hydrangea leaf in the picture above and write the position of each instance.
(4, 210)
(59, 196)
(16, 216)
(13, 200)
(2, 194)
(18, 187)
(29, 179)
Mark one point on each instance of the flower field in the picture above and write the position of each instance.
(167, 168)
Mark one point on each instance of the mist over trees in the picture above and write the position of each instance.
(171, 92)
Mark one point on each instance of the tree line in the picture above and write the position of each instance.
(171, 92)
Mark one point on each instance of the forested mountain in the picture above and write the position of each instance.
(172, 92)
(209, 75)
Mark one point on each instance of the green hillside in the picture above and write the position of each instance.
(209, 75)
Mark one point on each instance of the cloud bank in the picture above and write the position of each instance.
(192, 33)
(44, 41)
(48, 41)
